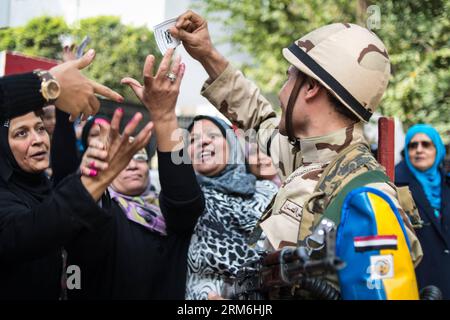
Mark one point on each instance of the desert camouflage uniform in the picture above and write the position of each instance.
(286, 222)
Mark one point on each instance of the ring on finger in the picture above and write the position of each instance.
(92, 173)
(171, 76)
(92, 165)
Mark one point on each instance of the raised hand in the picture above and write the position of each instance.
(192, 30)
(78, 92)
(95, 157)
(160, 92)
(119, 148)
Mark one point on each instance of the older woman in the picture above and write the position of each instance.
(133, 191)
(36, 220)
(234, 202)
(141, 251)
(422, 171)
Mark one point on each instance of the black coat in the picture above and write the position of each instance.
(32, 236)
(121, 259)
(35, 222)
(434, 237)
(124, 260)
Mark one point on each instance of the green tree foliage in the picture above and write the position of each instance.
(121, 49)
(415, 32)
(263, 27)
(38, 37)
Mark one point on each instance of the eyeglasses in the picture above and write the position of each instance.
(415, 144)
(140, 157)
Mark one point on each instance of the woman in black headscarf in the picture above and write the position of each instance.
(141, 252)
(36, 220)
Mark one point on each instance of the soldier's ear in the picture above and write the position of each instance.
(312, 87)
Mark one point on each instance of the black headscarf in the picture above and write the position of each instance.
(32, 188)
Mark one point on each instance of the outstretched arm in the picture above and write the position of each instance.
(29, 233)
(20, 94)
(181, 198)
(239, 99)
(64, 157)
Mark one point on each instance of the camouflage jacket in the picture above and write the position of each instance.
(286, 222)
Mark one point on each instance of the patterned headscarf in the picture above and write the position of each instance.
(143, 209)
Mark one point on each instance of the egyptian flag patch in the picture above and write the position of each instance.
(375, 243)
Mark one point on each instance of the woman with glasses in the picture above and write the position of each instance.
(133, 191)
(422, 170)
(140, 250)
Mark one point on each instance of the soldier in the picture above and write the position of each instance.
(336, 78)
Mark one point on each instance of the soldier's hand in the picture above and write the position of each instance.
(78, 92)
(192, 29)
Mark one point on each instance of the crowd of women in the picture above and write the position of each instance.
(99, 211)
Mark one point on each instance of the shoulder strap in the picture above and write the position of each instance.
(352, 161)
(333, 210)
(409, 206)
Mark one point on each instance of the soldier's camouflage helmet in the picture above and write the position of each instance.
(347, 59)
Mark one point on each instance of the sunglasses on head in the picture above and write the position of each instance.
(415, 144)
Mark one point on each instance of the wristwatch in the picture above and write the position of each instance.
(50, 88)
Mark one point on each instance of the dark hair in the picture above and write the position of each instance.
(341, 109)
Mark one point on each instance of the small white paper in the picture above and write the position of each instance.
(66, 40)
(164, 39)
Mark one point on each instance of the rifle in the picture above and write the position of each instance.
(288, 267)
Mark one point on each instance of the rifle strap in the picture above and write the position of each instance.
(333, 211)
